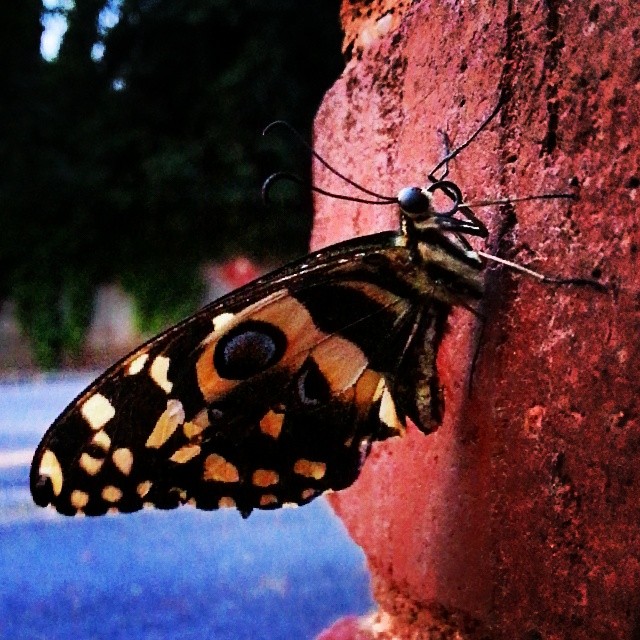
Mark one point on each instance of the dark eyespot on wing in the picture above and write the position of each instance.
(313, 388)
(248, 349)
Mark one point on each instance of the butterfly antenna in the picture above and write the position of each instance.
(454, 152)
(284, 175)
(381, 198)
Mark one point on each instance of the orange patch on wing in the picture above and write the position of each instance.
(186, 453)
(340, 361)
(310, 469)
(366, 388)
(216, 468)
(271, 423)
(264, 478)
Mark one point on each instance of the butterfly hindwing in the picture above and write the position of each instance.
(270, 396)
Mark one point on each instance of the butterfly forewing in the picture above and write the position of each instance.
(267, 397)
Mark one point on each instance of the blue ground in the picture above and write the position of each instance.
(153, 575)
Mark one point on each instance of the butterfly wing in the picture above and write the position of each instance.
(267, 397)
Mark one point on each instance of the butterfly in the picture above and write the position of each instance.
(273, 394)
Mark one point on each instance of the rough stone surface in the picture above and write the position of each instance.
(520, 517)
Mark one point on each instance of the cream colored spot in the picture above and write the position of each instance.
(97, 411)
(103, 440)
(50, 467)
(380, 389)
(388, 415)
(218, 469)
(79, 499)
(309, 469)
(170, 419)
(137, 365)
(111, 494)
(186, 453)
(290, 505)
(90, 464)
(158, 372)
(308, 493)
(123, 459)
(268, 499)
(143, 488)
(226, 502)
(222, 321)
(271, 424)
(264, 478)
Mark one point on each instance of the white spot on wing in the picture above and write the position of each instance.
(388, 415)
(137, 365)
(97, 411)
(50, 467)
(158, 372)
(221, 321)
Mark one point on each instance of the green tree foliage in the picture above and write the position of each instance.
(139, 164)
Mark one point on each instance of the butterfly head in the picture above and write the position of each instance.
(419, 203)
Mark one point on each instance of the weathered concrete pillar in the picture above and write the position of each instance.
(520, 517)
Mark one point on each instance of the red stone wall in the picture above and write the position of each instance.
(520, 517)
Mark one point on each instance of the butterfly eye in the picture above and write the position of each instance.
(248, 349)
(414, 200)
(313, 388)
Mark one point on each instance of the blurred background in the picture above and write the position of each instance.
(132, 160)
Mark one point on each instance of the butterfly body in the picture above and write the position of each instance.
(273, 394)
